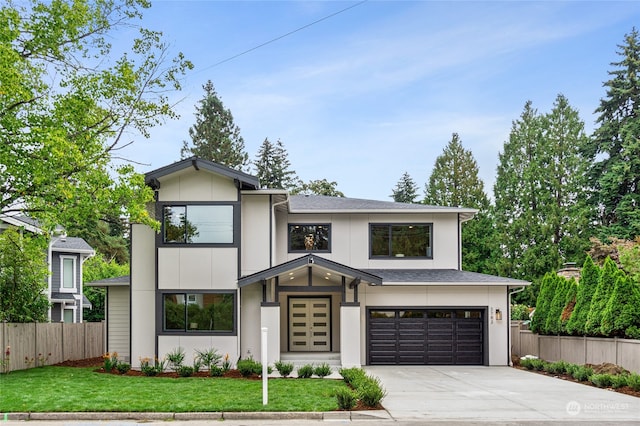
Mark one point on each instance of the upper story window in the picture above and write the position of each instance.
(198, 224)
(67, 273)
(305, 237)
(401, 240)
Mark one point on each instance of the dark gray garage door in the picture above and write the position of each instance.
(425, 336)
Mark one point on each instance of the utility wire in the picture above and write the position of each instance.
(284, 35)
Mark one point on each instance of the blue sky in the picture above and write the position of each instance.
(377, 90)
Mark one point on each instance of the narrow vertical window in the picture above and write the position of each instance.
(68, 274)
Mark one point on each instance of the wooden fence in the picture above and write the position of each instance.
(576, 349)
(37, 344)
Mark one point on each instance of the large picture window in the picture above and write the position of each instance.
(401, 240)
(198, 224)
(304, 237)
(199, 312)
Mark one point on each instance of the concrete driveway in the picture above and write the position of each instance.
(497, 394)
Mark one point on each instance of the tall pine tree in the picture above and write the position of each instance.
(615, 147)
(215, 136)
(273, 167)
(454, 181)
(406, 190)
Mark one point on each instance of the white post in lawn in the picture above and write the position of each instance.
(265, 373)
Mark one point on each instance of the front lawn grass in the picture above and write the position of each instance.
(67, 389)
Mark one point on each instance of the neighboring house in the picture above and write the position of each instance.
(116, 311)
(370, 282)
(65, 257)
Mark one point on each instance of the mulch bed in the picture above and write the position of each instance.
(601, 368)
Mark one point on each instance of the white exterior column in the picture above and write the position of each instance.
(270, 318)
(350, 335)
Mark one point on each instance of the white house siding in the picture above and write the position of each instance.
(143, 293)
(251, 297)
(189, 185)
(118, 321)
(256, 238)
(197, 268)
(433, 296)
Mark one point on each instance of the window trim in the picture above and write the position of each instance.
(186, 332)
(73, 310)
(74, 272)
(327, 250)
(160, 242)
(390, 225)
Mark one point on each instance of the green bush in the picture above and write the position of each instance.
(633, 381)
(559, 367)
(582, 373)
(619, 381)
(601, 380)
(571, 368)
(249, 367)
(175, 358)
(208, 357)
(349, 375)
(305, 372)
(284, 368)
(371, 392)
(346, 398)
(323, 370)
(216, 371)
(519, 312)
(185, 371)
(123, 367)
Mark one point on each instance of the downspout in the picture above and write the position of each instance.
(273, 226)
(509, 294)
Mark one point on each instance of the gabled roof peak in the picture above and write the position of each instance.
(243, 180)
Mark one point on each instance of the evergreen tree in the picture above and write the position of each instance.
(556, 307)
(318, 187)
(406, 190)
(601, 296)
(569, 305)
(215, 136)
(537, 194)
(543, 303)
(589, 278)
(615, 147)
(621, 316)
(454, 181)
(272, 167)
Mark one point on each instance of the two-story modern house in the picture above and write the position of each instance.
(371, 282)
(65, 257)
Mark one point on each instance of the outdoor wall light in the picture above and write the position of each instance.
(498, 315)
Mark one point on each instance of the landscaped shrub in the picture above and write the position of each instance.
(538, 364)
(371, 391)
(346, 398)
(601, 380)
(149, 369)
(349, 375)
(284, 368)
(586, 288)
(216, 371)
(559, 367)
(606, 284)
(622, 311)
(571, 368)
(582, 373)
(323, 370)
(305, 371)
(208, 357)
(110, 361)
(185, 371)
(249, 367)
(520, 312)
(633, 381)
(175, 358)
(619, 380)
(123, 367)
(543, 303)
(556, 307)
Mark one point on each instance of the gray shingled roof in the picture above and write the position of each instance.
(72, 244)
(449, 276)
(245, 180)
(58, 297)
(124, 280)
(320, 203)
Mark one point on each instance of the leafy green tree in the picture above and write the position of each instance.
(105, 236)
(67, 103)
(621, 316)
(23, 277)
(318, 187)
(543, 303)
(538, 209)
(94, 269)
(589, 278)
(455, 181)
(601, 296)
(215, 136)
(406, 190)
(615, 147)
(273, 166)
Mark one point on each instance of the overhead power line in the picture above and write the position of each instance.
(284, 35)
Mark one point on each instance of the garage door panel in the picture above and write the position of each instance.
(417, 337)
